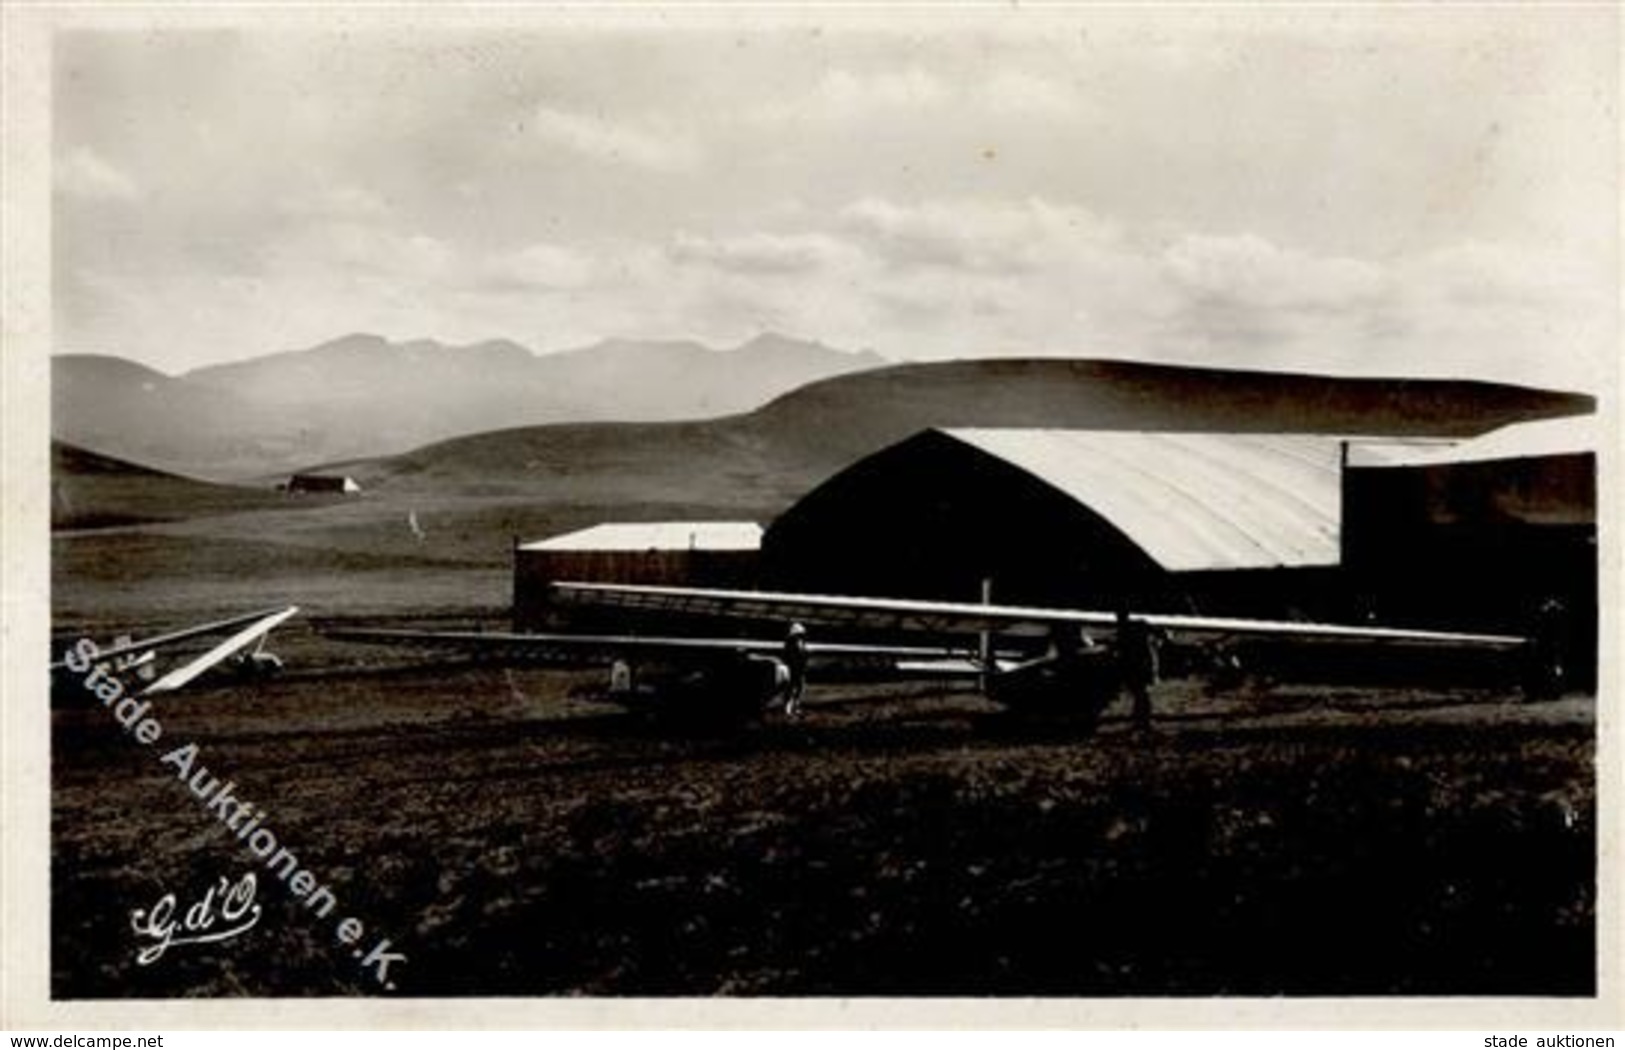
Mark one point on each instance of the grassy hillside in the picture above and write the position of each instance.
(887, 404)
(90, 490)
(762, 461)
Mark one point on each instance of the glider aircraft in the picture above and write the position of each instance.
(140, 655)
(1050, 660)
(1032, 659)
(691, 678)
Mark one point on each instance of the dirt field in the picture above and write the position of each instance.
(512, 841)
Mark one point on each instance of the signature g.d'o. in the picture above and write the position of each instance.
(224, 911)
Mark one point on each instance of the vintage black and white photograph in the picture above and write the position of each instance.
(771, 503)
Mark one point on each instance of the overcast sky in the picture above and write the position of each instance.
(1374, 192)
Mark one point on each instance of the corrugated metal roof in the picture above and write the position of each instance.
(1569, 435)
(1192, 501)
(657, 535)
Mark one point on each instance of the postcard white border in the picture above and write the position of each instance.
(24, 575)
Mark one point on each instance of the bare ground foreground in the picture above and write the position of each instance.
(512, 841)
(900, 840)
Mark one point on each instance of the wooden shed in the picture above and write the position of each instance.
(675, 553)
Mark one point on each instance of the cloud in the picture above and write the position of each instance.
(1475, 272)
(971, 235)
(599, 139)
(1278, 195)
(843, 96)
(1495, 311)
(1512, 311)
(1012, 92)
(931, 278)
(85, 174)
(758, 253)
(843, 92)
(536, 268)
(329, 202)
(1250, 271)
(367, 249)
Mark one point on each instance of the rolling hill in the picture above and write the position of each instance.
(757, 463)
(90, 490)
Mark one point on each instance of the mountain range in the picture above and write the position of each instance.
(363, 395)
(476, 492)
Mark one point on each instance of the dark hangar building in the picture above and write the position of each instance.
(1240, 523)
(1478, 534)
(1487, 531)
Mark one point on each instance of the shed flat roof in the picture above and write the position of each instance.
(1192, 501)
(657, 536)
(1569, 435)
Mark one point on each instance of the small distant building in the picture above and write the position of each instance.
(669, 553)
(322, 483)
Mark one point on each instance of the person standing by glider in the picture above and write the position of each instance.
(1136, 665)
(794, 655)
